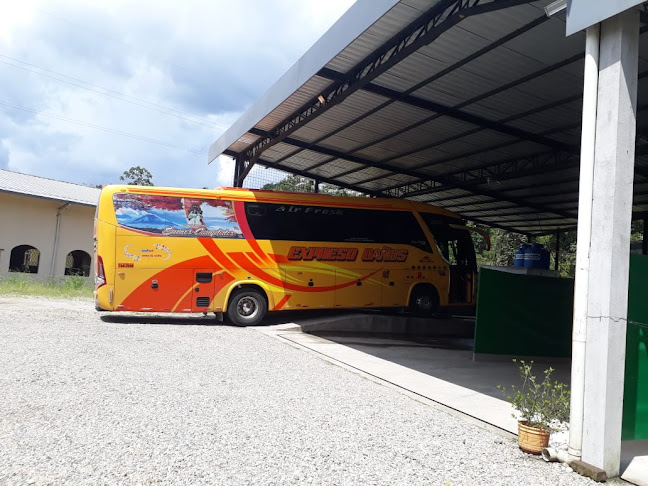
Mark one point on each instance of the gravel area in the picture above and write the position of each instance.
(178, 400)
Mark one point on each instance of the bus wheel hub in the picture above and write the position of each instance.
(247, 307)
(424, 302)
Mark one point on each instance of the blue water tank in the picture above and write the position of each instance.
(519, 255)
(536, 256)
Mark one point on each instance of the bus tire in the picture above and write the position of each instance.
(424, 301)
(247, 307)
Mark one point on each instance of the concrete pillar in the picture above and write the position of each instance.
(609, 248)
(584, 236)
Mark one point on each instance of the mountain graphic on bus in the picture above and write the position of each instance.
(175, 216)
(151, 222)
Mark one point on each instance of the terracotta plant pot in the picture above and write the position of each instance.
(530, 439)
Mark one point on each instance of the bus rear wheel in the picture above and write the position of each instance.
(424, 301)
(247, 307)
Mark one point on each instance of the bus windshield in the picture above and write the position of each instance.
(454, 242)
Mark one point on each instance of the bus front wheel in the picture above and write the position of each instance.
(247, 307)
(424, 301)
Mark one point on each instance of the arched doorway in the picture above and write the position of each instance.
(24, 259)
(77, 262)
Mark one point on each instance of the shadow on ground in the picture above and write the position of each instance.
(445, 352)
(210, 319)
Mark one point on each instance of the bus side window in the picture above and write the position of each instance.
(286, 222)
(405, 225)
(255, 210)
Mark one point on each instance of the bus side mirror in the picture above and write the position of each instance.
(484, 235)
(480, 232)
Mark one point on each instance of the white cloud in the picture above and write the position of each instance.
(14, 14)
(225, 167)
(89, 89)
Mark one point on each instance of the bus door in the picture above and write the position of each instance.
(456, 246)
(460, 255)
(203, 290)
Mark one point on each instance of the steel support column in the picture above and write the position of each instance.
(238, 172)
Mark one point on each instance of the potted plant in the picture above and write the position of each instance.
(542, 407)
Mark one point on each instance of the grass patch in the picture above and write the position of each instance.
(72, 286)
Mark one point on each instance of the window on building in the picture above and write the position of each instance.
(77, 262)
(24, 258)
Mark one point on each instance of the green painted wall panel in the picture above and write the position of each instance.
(635, 397)
(523, 315)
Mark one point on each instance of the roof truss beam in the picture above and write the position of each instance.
(337, 76)
(422, 31)
(445, 181)
(498, 172)
(416, 185)
(479, 121)
(566, 100)
(540, 138)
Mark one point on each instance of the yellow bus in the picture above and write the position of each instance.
(244, 252)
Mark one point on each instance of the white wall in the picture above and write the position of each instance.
(26, 220)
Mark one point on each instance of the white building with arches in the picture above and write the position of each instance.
(45, 226)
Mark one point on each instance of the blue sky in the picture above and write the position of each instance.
(89, 89)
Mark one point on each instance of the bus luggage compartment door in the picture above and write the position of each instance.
(395, 287)
(317, 289)
(153, 290)
(360, 289)
(203, 290)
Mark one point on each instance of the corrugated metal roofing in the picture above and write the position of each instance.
(473, 105)
(29, 185)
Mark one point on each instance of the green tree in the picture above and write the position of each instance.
(137, 176)
(338, 191)
(637, 230)
(297, 183)
(292, 183)
(566, 249)
(504, 245)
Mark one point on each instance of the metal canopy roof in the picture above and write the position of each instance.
(472, 105)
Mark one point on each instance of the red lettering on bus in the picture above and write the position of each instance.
(322, 254)
(384, 254)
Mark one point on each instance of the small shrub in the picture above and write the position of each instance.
(543, 403)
